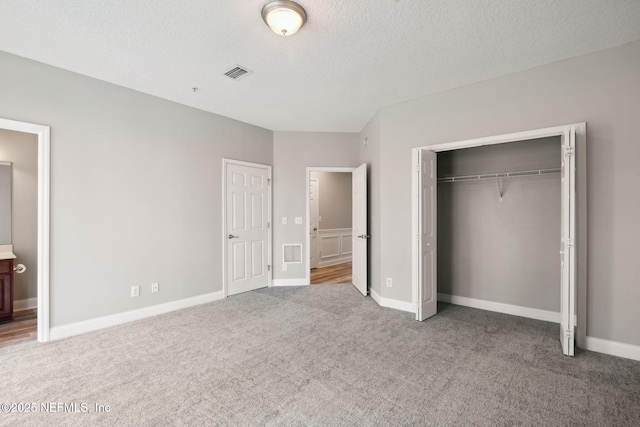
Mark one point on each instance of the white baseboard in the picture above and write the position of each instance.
(336, 261)
(290, 282)
(392, 303)
(25, 304)
(614, 348)
(374, 295)
(77, 328)
(515, 310)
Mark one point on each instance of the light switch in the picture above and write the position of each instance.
(284, 220)
(298, 220)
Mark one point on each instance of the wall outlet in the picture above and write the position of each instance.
(284, 220)
(389, 282)
(284, 267)
(298, 220)
(135, 291)
(155, 287)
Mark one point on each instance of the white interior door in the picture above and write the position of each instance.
(427, 171)
(247, 227)
(567, 249)
(314, 212)
(359, 221)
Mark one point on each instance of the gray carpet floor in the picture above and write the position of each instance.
(320, 355)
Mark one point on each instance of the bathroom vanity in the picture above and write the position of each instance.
(6, 248)
(6, 289)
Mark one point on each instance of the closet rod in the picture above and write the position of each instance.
(499, 175)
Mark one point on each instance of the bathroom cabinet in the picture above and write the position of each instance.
(6, 289)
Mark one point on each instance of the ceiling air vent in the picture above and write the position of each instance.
(237, 72)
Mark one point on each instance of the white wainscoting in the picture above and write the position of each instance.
(335, 246)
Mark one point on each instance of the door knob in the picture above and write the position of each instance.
(231, 236)
(363, 236)
(315, 229)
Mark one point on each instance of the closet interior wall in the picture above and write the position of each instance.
(507, 250)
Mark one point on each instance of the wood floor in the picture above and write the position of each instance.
(332, 275)
(23, 327)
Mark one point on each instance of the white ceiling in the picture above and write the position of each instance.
(350, 59)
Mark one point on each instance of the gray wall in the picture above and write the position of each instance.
(542, 153)
(136, 179)
(293, 152)
(135, 188)
(22, 150)
(335, 199)
(601, 89)
(504, 251)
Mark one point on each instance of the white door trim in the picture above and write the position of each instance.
(44, 162)
(226, 162)
(308, 210)
(580, 215)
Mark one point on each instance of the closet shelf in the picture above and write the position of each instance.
(498, 175)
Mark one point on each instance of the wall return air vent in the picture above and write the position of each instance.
(237, 72)
(292, 253)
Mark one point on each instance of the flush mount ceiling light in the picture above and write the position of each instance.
(284, 17)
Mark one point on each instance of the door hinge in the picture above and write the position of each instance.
(268, 268)
(569, 243)
(269, 181)
(418, 167)
(268, 224)
(568, 333)
(569, 151)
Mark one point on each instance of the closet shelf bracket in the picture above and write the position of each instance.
(500, 181)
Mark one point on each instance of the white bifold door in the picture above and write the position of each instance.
(425, 239)
(359, 226)
(247, 227)
(567, 245)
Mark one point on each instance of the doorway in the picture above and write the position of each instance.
(424, 219)
(330, 231)
(41, 176)
(337, 220)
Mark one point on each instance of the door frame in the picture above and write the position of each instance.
(44, 178)
(580, 265)
(308, 210)
(226, 162)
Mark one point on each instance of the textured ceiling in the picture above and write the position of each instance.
(350, 59)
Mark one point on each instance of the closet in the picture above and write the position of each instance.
(498, 210)
(494, 225)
